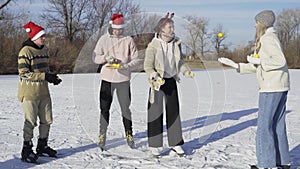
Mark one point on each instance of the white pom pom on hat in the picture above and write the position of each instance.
(28, 29)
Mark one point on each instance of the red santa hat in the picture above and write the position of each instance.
(34, 31)
(117, 21)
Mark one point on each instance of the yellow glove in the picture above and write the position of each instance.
(189, 74)
(114, 66)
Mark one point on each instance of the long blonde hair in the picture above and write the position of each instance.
(261, 29)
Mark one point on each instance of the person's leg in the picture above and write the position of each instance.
(174, 130)
(106, 97)
(30, 109)
(45, 116)
(124, 98)
(279, 128)
(155, 120)
(265, 142)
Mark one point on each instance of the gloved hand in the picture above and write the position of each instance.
(228, 62)
(154, 76)
(189, 74)
(58, 81)
(124, 66)
(253, 60)
(110, 59)
(156, 81)
(52, 78)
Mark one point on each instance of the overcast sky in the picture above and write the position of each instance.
(236, 16)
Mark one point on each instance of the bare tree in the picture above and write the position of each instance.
(103, 9)
(198, 35)
(218, 36)
(12, 35)
(140, 23)
(68, 18)
(3, 12)
(287, 25)
(5, 3)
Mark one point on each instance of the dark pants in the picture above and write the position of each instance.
(155, 116)
(106, 98)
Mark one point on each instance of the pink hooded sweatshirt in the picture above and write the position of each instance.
(122, 48)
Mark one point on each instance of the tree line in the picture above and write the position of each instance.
(74, 26)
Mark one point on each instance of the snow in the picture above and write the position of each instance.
(218, 113)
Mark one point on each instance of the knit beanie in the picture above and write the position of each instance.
(266, 17)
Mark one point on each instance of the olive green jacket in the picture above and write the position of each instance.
(33, 63)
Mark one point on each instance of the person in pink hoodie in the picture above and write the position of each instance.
(113, 48)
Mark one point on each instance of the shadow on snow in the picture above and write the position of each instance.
(187, 126)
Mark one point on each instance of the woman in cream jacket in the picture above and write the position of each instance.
(272, 74)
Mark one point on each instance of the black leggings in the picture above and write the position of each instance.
(106, 98)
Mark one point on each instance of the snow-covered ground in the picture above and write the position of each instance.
(218, 113)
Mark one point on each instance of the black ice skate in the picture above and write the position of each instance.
(27, 153)
(43, 149)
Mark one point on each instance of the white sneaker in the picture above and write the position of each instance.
(156, 151)
(178, 150)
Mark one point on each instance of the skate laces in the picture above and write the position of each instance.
(129, 136)
(101, 139)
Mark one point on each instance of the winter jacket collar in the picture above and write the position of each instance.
(156, 36)
(271, 30)
(28, 42)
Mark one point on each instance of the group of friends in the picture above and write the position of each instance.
(163, 64)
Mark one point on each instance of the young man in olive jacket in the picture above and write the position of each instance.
(33, 92)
